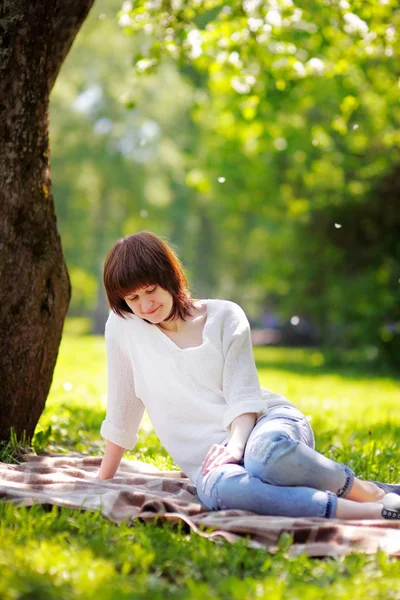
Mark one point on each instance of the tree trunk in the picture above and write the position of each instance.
(35, 36)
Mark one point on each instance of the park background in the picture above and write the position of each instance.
(268, 156)
(267, 153)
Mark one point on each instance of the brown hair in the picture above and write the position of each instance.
(143, 259)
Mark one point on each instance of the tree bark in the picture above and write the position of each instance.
(35, 36)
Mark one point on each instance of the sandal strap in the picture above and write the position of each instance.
(390, 514)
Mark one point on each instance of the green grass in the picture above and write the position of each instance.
(65, 554)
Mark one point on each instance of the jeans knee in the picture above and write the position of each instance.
(266, 454)
(218, 486)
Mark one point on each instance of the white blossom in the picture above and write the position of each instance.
(355, 25)
(242, 85)
(255, 24)
(273, 17)
(250, 6)
(316, 65)
(234, 59)
(299, 68)
(194, 40)
(125, 20)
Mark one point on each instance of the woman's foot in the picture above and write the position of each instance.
(391, 501)
(348, 509)
(365, 491)
(387, 508)
(388, 488)
(391, 506)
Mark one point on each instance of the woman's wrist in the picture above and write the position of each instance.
(235, 450)
(241, 429)
(111, 461)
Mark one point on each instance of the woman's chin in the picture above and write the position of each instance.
(155, 317)
(155, 320)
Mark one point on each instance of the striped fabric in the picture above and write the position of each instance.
(141, 491)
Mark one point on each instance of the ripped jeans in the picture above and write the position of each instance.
(280, 472)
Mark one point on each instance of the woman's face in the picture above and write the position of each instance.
(151, 302)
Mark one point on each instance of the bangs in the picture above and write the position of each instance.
(128, 275)
(129, 269)
(141, 260)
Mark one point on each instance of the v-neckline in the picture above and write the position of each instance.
(203, 339)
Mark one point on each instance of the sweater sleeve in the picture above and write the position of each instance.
(124, 409)
(241, 387)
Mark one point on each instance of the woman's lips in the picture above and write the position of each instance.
(152, 312)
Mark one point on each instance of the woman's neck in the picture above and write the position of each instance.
(178, 325)
(174, 326)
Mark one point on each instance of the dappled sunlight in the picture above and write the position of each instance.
(354, 411)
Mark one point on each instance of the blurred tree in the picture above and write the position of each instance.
(35, 38)
(259, 142)
(300, 116)
(116, 170)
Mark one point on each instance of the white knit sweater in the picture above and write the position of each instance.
(192, 395)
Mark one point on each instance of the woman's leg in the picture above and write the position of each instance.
(365, 491)
(280, 451)
(283, 475)
(230, 486)
(348, 509)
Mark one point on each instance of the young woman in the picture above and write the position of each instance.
(190, 364)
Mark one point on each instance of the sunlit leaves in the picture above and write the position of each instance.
(198, 180)
(295, 105)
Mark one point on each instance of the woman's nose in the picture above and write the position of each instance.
(146, 305)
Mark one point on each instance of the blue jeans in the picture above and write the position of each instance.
(280, 472)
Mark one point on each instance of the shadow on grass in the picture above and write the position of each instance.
(363, 371)
(68, 428)
(370, 448)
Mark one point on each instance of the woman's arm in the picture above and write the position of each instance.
(241, 428)
(241, 387)
(233, 451)
(124, 409)
(111, 459)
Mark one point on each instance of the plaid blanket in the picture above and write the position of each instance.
(141, 491)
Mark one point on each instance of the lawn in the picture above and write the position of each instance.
(63, 554)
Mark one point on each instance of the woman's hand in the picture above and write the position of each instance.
(220, 455)
(111, 459)
(233, 452)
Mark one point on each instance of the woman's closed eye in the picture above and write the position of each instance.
(133, 298)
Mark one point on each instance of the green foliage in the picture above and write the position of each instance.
(301, 113)
(13, 450)
(271, 158)
(84, 288)
(76, 326)
(115, 171)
